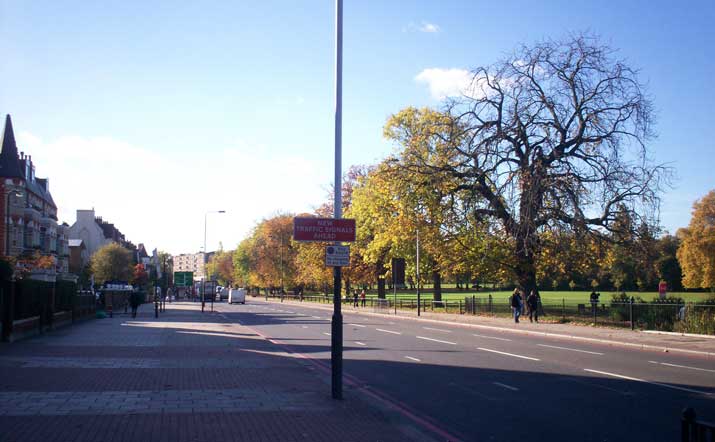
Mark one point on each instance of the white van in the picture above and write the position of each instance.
(237, 295)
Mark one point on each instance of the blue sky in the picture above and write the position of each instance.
(154, 113)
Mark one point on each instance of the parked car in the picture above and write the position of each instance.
(237, 296)
(223, 294)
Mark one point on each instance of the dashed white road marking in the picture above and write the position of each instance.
(629, 378)
(437, 329)
(360, 343)
(412, 359)
(317, 317)
(304, 326)
(508, 354)
(491, 337)
(357, 325)
(682, 366)
(436, 340)
(388, 331)
(571, 349)
(327, 334)
(508, 387)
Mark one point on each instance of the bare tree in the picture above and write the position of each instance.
(553, 136)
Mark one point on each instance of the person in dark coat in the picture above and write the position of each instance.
(134, 301)
(516, 304)
(532, 302)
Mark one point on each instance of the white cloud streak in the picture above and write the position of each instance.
(443, 83)
(426, 27)
(429, 28)
(446, 83)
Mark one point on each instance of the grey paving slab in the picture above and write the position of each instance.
(184, 377)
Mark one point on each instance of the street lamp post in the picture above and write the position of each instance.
(280, 265)
(336, 340)
(203, 283)
(281, 256)
(418, 273)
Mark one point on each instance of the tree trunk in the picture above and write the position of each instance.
(379, 273)
(526, 272)
(437, 281)
(347, 286)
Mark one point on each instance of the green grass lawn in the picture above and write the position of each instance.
(547, 297)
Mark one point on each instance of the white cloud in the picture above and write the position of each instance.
(160, 199)
(429, 28)
(445, 83)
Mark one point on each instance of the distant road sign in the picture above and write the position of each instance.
(324, 229)
(337, 256)
(183, 279)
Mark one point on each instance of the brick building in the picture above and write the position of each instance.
(28, 211)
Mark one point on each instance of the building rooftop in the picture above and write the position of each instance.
(9, 164)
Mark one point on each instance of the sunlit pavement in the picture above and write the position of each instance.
(187, 376)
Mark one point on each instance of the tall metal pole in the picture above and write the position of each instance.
(418, 272)
(203, 283)
(203, 280)
(336, 350)
(394, 284)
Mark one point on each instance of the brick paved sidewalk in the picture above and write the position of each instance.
(186, 376)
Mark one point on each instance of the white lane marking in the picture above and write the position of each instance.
(360, 343)
(412, 359)
(682, 366)
(491, 337)
(507, 354)
(290, 312)
(357, 325)
(615, 375)
(436, 340)
(388, 331)
(509, 387)
(437, 329)
(304, 326)
(571, 349)
(317, 317)
(327, 334)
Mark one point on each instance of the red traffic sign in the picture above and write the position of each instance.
(324, 229)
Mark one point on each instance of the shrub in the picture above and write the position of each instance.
(698, 318)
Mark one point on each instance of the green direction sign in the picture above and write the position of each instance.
(183, 279)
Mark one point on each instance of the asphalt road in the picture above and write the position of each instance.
(481, 386)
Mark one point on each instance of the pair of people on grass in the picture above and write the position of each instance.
(532, 305)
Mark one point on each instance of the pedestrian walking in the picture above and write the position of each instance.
(134, 301)
(362, 297)
(516, 304)
(532, 302)
(355, 298)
